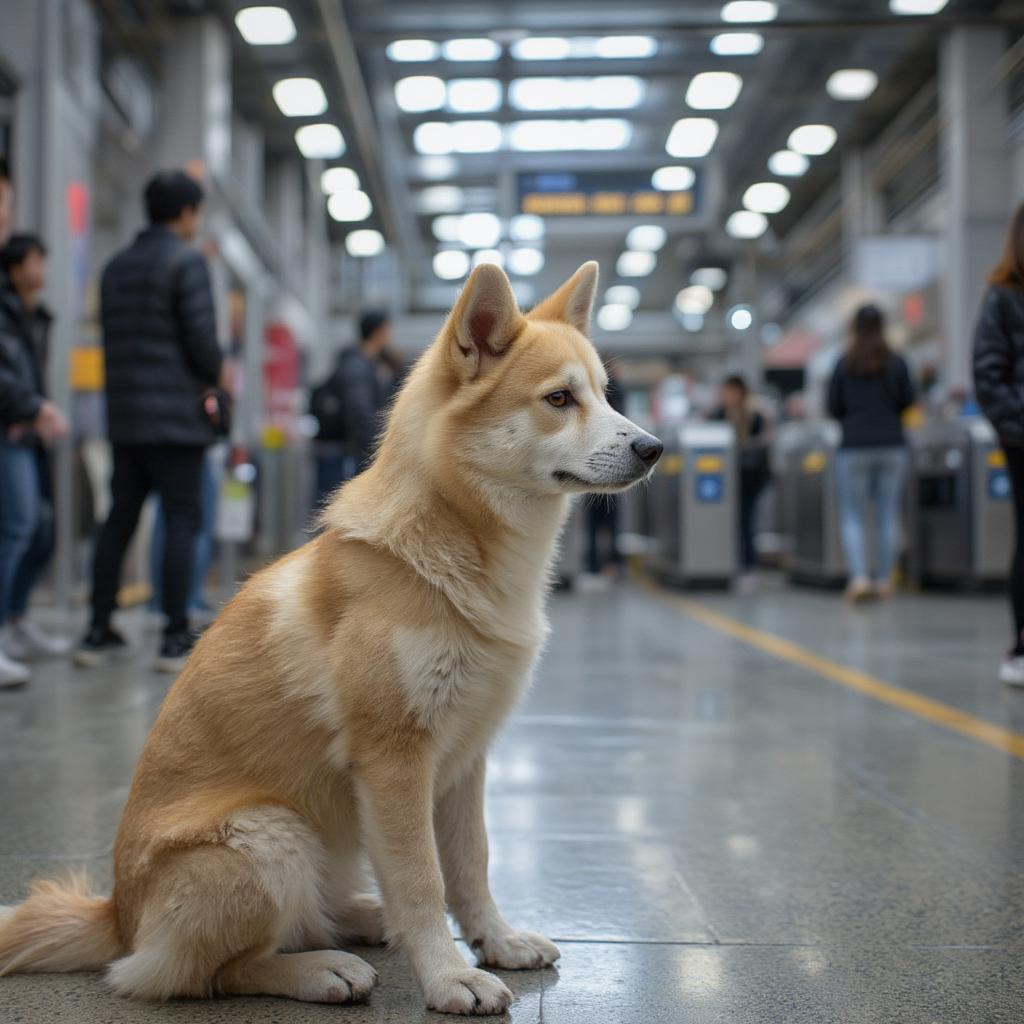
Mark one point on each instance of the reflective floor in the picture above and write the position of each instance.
(711, 832)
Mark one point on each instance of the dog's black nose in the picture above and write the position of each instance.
(648, 449)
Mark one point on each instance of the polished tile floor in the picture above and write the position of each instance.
(711, 833)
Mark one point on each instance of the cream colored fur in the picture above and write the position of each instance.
(342, 705)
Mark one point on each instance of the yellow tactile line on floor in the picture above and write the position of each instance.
(1004, 740)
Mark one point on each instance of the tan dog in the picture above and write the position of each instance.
(344, 700)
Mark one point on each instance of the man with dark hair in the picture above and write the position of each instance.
(162, 354)
(6, 201)
(28, 421)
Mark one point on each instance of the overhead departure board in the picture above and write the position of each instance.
(604, 193)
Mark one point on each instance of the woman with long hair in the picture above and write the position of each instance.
(868, 394)
(999, 384)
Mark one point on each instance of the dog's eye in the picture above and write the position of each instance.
(559, 399)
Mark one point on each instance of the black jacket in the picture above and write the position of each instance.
(364, 393)
(999, 361)
(870, 408)
(24, 336)
(160, 342)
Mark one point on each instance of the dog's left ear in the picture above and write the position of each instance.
(572, 302)
(484, 321)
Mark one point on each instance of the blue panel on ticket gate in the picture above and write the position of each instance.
(998, 485)
(709, 476)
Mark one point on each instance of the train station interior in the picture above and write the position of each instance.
(768, 767)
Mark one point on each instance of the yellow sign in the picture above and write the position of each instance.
(671, 465)
(814, 462)
(87, 368)
(648, 204)
(710, 464)
(996, 459)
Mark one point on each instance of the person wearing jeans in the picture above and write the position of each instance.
(869, 392)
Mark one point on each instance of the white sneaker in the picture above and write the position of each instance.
(24, 641)
(1011, 671)
(12, 673)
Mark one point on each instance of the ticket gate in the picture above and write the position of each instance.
(693, 506)
(805, 458)
(959, 505)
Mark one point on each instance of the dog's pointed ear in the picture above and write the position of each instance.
(573, 302)
(484, 321)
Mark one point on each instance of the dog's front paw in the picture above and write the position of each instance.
(516, 951)
(469, 991)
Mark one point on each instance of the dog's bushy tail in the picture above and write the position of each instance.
(60, 927)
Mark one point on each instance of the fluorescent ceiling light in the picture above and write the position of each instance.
(320, 141)
(338, 179)
(605, 92)
(714, 278)
(541, 48)
(526, 227)
(692, 321)
(479, 230)
(617, 47)
(474, 95)
(692, 137)
(623, 295)
(549, 136)
(635, 263)
(916, 6)
(451, 264)
(746, 224)
(349, 206)
(364, 242)
(787, 164)
(673, 179)
(737, 44)
(436, 168)
(525, 261)
(743, 11)
(650, 237)
(852, 84)
(441, 199)
(615, 316)
(433, 137)
(713, 90)
(442, 137)
(471, 49)
(413, 50)
(766, 197)
(299, 97)
(492, 256)
(265, 26)
(697, 298)
(812, 139)
(740, 318)
(419, 93)
(446, 228)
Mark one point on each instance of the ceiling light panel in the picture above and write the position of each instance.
(766, 197)
(673, 179)
(614, 317)
(746, 224)
(918, 7)
(525, 261)
(265, 26)
(634, 263)
(812, 139)
(338, 179)
(351, 205)
(623, 295)
(697, 299)
(526, 227)
(740, 318)
(299, 97)
(446, 228)
(451, 264)
(649, 237)
(479, 230)
(714, 278)
(622, 47)
(440, 199)
(419, 93)
(737, 44)
(474, 95)
(713, 90)
(852, 84)
(692, 137)
(551, 136)
(492, 256)
(787, 164)
(749, 11)
(364, 242)
(320, 141)
(481, 49)
(541, 48)
(413, 50)
(605, 92)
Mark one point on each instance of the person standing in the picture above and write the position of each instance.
(602, 511)
(28, 421)
(162, 357)
(6, 201)
(999, 386)
(869, 392)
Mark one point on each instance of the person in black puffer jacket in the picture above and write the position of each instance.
(999, 385)
(161, 354)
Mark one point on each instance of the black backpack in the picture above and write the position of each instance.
(327, 405)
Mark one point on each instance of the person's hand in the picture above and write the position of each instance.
(50, 423)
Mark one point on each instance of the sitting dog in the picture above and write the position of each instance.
(343, 702)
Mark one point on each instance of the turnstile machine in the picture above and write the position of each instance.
(959, 505)
(693, 506)
(805, 458)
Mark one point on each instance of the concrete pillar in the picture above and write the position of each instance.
(975, 170)
(860, 202)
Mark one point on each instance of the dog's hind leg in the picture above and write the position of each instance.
(217, 915)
